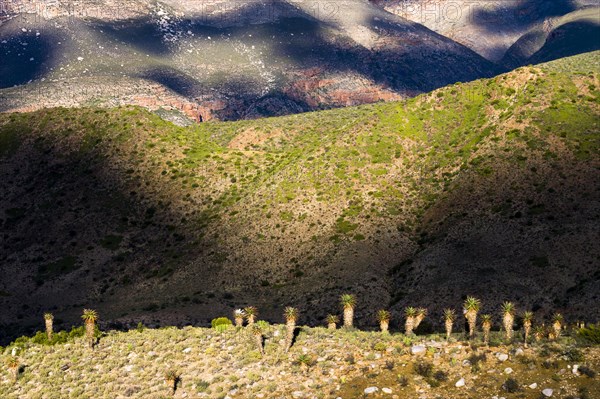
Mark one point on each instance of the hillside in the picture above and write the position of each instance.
(321, 364)
(488, 188)
(570, 34)
(221, 60)
(497, 29)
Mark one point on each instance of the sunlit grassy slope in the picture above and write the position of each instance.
(488, 186)
(321, 364)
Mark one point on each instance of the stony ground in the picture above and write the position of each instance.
(321, 364)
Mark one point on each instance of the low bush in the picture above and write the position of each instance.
(511, 385)
(424, 369)
(221, 323)
(590, 333)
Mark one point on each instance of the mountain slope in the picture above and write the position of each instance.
(571, 34)
(224, 60)
(493, 28)
(480, 188)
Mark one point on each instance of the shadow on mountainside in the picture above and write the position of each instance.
(404, 58)
(521, 14)
(26, 57)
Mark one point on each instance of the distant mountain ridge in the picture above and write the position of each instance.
(496, 29)
(224, 60)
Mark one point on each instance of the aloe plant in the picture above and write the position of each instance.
(409, 325)
(471, 307)
(257, 333)
(557, 320)
(332, 321)
(383, 316)
(238, 316)
(348, 302)
(49, 321)
(508, 318)
(527, 322)
(171, 379)
(486, 327)
(251, 313)
(13, 366)
(419, 317)
(291, 317)
(90, 317)
(449, 317)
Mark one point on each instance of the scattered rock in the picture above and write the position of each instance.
(533, 386)
(502, 357)
(187, 350)
(519, 352)
(508, 370)
(370, 390)
(386, 390)
(417, 349)
(547, 392)
(576, 369)
(460, 383)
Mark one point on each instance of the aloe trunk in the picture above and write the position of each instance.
(486, 327)
(556, 327)
(172, 386)
(384, 325)
(258, 339)
(90, 329)
(527, 329)
(409, 325)
(49, 328)
(239, 321)
(348, 316)
(508, 320)
(290, 327)
(448, 329)
(331, 326)
(14, 371)
(472, 320)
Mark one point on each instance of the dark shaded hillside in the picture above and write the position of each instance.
(492, 27)
(487, 188)
(571, 34)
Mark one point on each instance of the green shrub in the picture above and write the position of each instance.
(587, 371)
(202, 385)
(590, 333)
(221, 323)
(424, 369)
(511, 385)
(380, 347)
(573, 355)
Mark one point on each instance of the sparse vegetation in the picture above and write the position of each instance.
(450, 150)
